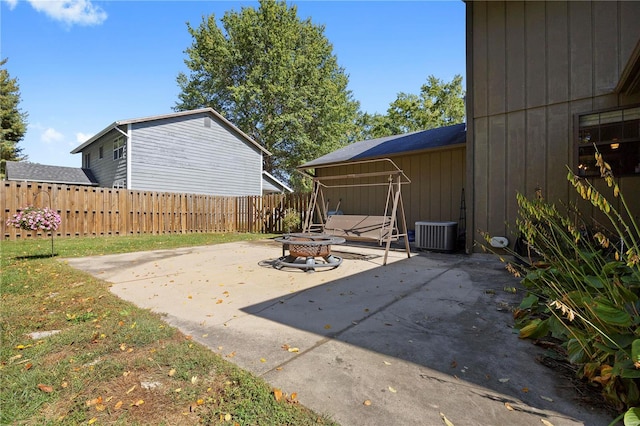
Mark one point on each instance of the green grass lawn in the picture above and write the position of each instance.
(111, 362)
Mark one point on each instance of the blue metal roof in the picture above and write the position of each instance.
(394, 145)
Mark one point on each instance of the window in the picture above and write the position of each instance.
(100, 153)
(86, 161)
(616, 134)
(119, 148)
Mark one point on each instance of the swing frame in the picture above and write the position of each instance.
(383, 229)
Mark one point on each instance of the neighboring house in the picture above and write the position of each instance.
(195, 151)
(271, 185)
(434, 161)
(34, 172)
(545, 81)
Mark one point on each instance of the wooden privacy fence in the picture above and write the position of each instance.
(92, 211)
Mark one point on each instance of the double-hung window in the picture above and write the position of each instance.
(119, 148)
(616, 134)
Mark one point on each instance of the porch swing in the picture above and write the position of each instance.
(383, 229)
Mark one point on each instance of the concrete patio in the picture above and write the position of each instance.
(418, 339)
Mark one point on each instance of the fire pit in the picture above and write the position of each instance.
(305, 248)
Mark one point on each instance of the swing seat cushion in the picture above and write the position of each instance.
(359, 227)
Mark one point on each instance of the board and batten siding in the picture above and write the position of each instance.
(106, 170)
(434, 194)
(193, 154)
(531, 67)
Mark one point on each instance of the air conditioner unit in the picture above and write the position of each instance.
(441, 236)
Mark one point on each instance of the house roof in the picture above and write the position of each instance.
(210, 111)
(34, 172)
(394, 145)
(271, 183)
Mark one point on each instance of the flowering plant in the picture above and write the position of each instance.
(34, 219)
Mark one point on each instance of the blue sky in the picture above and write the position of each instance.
(83, 64)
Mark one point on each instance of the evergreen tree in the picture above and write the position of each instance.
(14, 121)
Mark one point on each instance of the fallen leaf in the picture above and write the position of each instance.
(118, 405)
(64, 384)
(194, 379)
(285, 347)
(367, 402)
(327, 327)
(546, 422)
(200, 401)
(219, 301)
(227, 417)
(263, 360)
(546, 398)
(508, 406)
(392, 390)
(293, 350)
(45, 388)
(131, 390)
(454, 364)
(294, 396)
(525, 390)
(172, 372)
(189, 297)
(387, 363)
(100, 407)
(92, 421)
(28, 366)
(277, 393)
(446, 420)
(94, 401)
(503, 380)
(137, 403)
(20, 347)
(178, 390)
(123, 347)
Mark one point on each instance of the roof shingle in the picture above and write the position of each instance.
(34, 172)
(393, 145)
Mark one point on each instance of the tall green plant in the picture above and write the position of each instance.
(584, 285)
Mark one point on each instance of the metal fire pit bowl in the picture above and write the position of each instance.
(305, 248)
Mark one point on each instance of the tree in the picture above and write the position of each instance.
(276, 78)
(14, 121)
(438, 104)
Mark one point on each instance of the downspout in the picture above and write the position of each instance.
(128, 154)
(470, 115)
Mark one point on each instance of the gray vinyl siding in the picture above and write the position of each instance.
(531, 66)
(181, 154)
(107, 170)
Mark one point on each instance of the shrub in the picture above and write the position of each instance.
(291, 220)
(583, 285)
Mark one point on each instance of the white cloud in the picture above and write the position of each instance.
(11, 3)
(51, 135)
(81, 12)
(83, 137)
